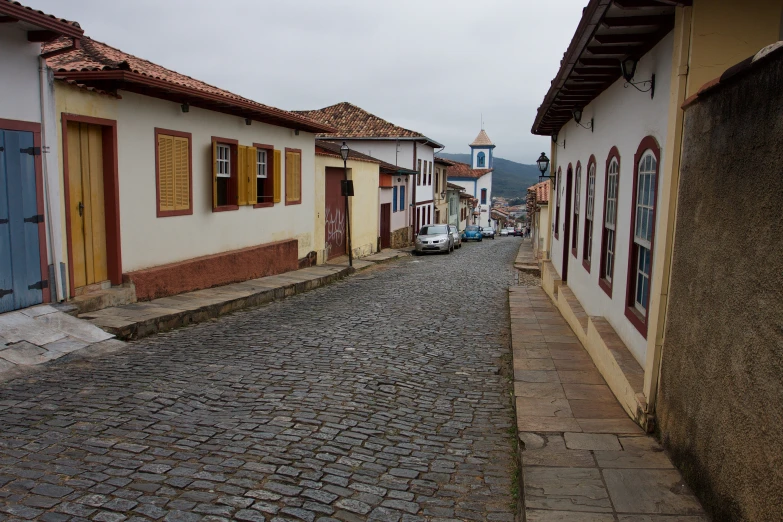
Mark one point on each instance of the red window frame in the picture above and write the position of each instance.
(605, 283)
(633, 315)
(231, 193)
(587, 246)
(189, 137)
(269, 182)
(558, 180)
(577, 196)
(483, 196)
(418, 176)
(430, 174)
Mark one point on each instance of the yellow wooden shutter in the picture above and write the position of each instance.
(214, 174)
(252, 172)
(277, 181)
(181, 178)
(242, 175)
(293, 177)
(166, 172)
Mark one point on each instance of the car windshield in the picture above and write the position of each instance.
(433, 229)
(472, 228)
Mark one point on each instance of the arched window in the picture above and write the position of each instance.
(609, 229)
(587, 250)
(642, 233)
(480, 159)
(577, 187)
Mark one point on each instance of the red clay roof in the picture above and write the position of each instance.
(100, 65)
(457, 169)
(482, 140)
(44, 21)
(541, 190)
(354, 122)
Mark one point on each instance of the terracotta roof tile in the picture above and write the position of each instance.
(38, 18)
(482, 140)
(330, 148)
(458, 169)
(354, 122)
(97, 57)
(541, 191)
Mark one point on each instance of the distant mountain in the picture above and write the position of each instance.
(510, 179)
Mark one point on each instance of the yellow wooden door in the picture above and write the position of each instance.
(88, 222)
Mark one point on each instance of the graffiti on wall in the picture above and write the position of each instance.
(335, 227)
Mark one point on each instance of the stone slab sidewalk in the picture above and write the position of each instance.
(583, 458)
(41, 334)
(525, 260)
(137, 320)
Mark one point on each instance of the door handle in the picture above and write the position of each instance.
(81, 208)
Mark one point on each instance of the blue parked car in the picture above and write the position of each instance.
(472, 232)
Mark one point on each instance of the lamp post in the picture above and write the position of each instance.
(346, 192)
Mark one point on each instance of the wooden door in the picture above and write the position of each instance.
(336, 244)
(386, 225)
(87, 212)
(567, 225)
(21, 284)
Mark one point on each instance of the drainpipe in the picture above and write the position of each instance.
(55, 253)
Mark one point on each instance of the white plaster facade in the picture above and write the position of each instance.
(473, 187)
(622, 118)
(400, 218)
(148, 240)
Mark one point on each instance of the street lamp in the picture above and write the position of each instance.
(347, 190)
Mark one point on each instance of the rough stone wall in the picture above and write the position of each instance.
(399, 238)
(720, 401)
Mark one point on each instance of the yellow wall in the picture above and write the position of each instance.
(364, 206)
(725, 32)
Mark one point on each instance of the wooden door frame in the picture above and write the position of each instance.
(388, 231)
(111, 196)
(35, 128)
(567, 223)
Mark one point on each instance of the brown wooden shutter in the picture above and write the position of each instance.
(252, 172)
(278, 177)
(181, 177)
(293, 176)
(166, 172)
(242, 175)
(214, 174)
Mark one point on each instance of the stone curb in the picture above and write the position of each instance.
(147, 327)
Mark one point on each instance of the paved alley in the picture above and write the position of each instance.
(379, 397)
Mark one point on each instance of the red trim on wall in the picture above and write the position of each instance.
(270, 157)
(575, 217)
(35, 128)
(232, 183)
(639, 321)
(588, 233)
(296, 201)
(558, 182)
(189, 210)
(567, 222)
(111, 196)
(603, 283)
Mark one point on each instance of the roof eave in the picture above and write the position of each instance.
(45, 22)
(420, 139)
(266, 115)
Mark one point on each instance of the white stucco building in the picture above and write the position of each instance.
(172, 184)
(396, 145)
(30, 241)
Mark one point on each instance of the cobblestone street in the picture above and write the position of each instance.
(380, 397)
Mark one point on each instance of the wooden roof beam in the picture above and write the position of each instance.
(611, 50)
(637, 21)
(630, 38)
(600, 62)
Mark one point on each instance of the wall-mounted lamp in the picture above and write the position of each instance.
(554, 140)
(248, 121)
(577, 114)
(185, 107)
(628, 68)
(543, 165)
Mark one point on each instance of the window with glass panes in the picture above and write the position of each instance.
(577, 186)
(223, 175)
(587, 253)
(610, 221)
(644, 212)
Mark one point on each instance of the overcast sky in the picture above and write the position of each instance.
(433, 66)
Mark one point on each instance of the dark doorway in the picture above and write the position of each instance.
(334, 214)
(567, 224)
(386, 225)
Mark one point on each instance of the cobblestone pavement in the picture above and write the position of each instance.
(380, 397)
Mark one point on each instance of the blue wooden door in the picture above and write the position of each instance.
(20, 256)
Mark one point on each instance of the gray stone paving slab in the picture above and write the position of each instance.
(592, 441)
(650, 491)
(375, 398)
(566, 489)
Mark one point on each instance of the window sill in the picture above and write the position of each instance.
(606, 286)
(264, 205)
(297, 202)
(575, 253)
(225, 208)
(586, 265)
(636, 319)
(172, 213)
